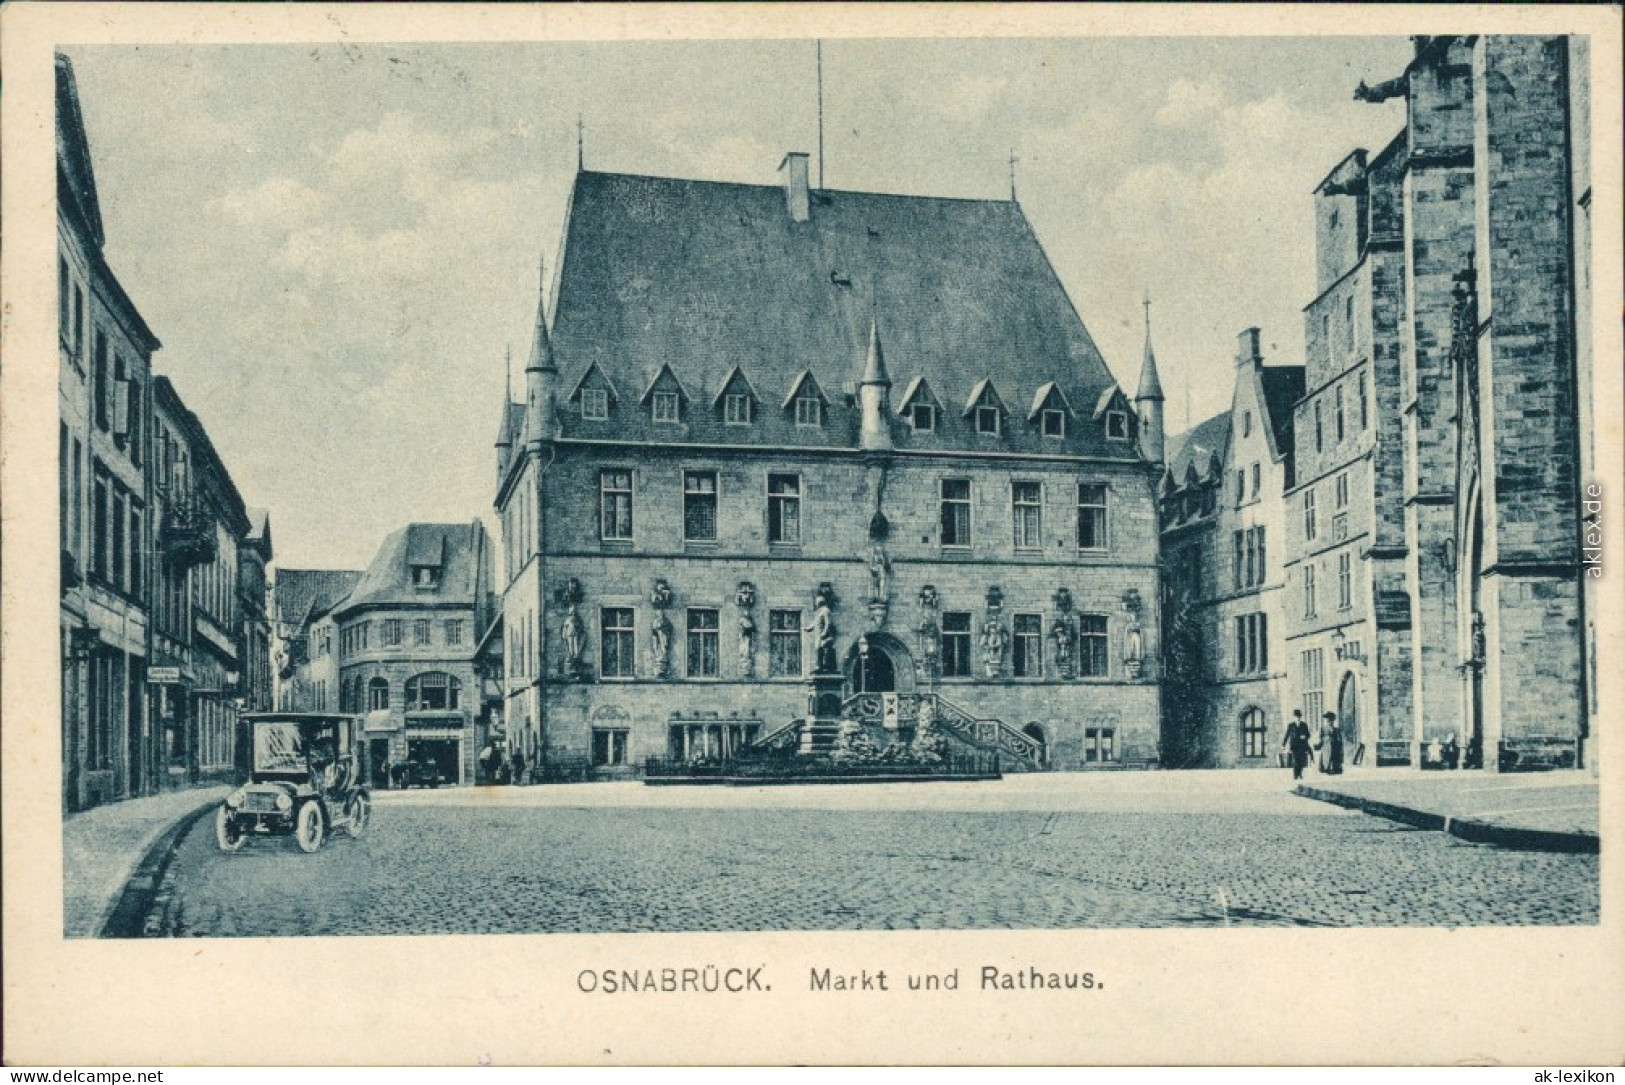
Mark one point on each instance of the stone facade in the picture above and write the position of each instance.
(400, 648)
(1431, 494)
(991, 543)
(1223, 516)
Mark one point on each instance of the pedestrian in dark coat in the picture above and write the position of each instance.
(519, 766)
(1330, 745)
(1296, 744)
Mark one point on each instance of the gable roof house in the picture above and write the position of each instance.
(752, 393)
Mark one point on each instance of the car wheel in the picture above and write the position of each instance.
(309, 828)
(227, 834)
(360, 814)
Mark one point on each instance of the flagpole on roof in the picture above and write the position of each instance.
(820, 113)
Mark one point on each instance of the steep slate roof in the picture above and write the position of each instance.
(1283, 387)
(300, 594)
(706, 276)
(1196, 446)
(388, 580)
(75, 178)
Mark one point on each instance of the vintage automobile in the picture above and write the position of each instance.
(306, 778)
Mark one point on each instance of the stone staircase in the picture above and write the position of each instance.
(1018, 752)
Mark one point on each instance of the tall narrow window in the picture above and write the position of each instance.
(956, 661)
(116, 577)
(392, 632)
(784, 643)
(702, 643)
(64, 308)
(736, 409)
(1348, 324)
(62, 479)
(1027, 646)
(1318, 441)
(1337, 412)
(1345, 581)
(700, 506)
(137, 577)
(1238, 541)
(615, 490)
(1027, 509)
(1252, 577)
(1314, 682)
(454, 632)
(1254, 737)
(420, 633)
(378, 695)
(1091, 516)
(1309, 600)
(616, 651)
(75, 541)
(784, 509)
(1365, 420)
(1258, 480)
(1342, 492)
(99, 382)
(1309, 525)
(955, 512)
(78, 327)
(1259, 533)
(665, 407)
(1092, 662)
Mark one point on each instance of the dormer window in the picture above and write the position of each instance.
(665, 408)
(425, 576)
(736, 409)
(594, 404)
(736, 399)
(987, 420)
(1050, 409)
(923, 417)
(1054, 423)
(809, 411)
(1117, 425)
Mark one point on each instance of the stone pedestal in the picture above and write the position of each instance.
(823, 713)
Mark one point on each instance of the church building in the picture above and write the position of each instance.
(782, 445)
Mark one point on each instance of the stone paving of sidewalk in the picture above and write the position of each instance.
(1557, 802)
(101, 848)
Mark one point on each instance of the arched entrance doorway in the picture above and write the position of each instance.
(879, 663)
(1036, 733)
(1348, 714)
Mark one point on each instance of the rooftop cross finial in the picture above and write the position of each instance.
(1147, 304)
(1013, 161)
(581, 143)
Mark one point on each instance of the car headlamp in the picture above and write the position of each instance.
(236, 798)
(283, 802)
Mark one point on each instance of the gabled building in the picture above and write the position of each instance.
(407, 637)
(750, 408)
(109, 749)
(1226, 700)
(305, 660)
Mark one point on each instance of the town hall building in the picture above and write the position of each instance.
(783, 445)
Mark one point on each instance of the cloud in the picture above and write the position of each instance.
(275, 201)
(1189, 104)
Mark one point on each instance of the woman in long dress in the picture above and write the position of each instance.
(1330, 745)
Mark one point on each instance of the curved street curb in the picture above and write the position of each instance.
(1469, 829)
(127, 916)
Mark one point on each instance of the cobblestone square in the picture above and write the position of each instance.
(1140, 850)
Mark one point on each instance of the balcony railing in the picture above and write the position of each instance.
(187, 536)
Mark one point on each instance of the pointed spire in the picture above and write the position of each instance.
(541, 350)
(874, 366)
(1150, 385)
(507, 374)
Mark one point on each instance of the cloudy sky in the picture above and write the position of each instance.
(338, 244)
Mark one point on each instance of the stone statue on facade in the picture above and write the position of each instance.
(660, 637)
(822, 628)
(994, 641)
(747, 646)
(573, 634)
(1061, 633)
(879, 573)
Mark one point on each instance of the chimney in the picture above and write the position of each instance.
(793, 170)
(1247, 348)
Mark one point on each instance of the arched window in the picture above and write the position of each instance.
(430, 692)
(1254, 733)
(378, 695)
